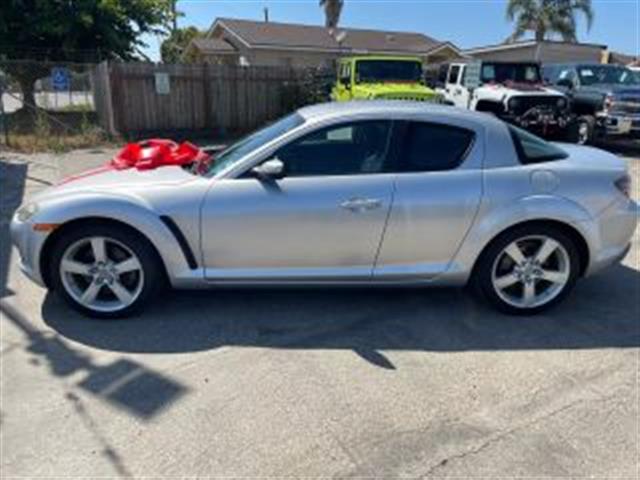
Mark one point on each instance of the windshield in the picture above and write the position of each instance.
(242, 148)
(510, 72)
(594, 75)
(369, 71)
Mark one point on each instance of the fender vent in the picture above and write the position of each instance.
(182, 241)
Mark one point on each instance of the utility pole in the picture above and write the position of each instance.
(266, 14)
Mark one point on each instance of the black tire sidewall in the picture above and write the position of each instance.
(590, 124)
(152, 271)
(483, 282)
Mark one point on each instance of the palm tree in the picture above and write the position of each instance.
(332, 11)
(547, 17)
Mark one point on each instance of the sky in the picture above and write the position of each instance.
(466, 23)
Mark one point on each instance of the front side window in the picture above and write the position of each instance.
(244, 147)
(345, 149)
(533, 149)
(453, 74)
(430, 147)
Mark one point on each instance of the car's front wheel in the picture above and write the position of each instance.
(105, 271)
(528, 270)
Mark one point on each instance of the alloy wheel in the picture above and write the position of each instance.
(531, 271)
(101, 274)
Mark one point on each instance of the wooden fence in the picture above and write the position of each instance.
(200, 98)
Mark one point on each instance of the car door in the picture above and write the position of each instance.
(343, 84)
(322, 221)
(455, 91)
(437, 196)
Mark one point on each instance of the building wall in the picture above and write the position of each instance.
(290, 58)
(546, 52)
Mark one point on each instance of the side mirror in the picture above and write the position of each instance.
(565, 82)
(271, 169)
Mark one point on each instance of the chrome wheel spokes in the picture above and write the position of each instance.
(531, 271)
(101, 274)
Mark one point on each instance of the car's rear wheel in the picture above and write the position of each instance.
(105, 271)
(528, 269)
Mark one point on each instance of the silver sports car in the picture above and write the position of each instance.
(360, 193)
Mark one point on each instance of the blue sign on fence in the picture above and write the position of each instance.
(60, 78)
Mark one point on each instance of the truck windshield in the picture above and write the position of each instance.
(510, 72)
(594, 75)
(242, 148)
(370, 71)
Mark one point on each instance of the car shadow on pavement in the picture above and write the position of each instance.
(602, 312)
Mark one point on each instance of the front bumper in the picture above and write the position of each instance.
(29, 244)
(619, 124)
(541, 120)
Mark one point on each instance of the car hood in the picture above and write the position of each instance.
(381, 89)
(616, 89)
(130, 181)
(515, 90)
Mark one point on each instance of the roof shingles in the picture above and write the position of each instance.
(288, 35)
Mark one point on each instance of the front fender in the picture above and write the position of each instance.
(129, 210)
(492, 221)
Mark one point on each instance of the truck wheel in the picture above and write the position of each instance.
(582, 130)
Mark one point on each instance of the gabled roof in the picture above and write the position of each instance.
(623, 58)
(213, 45)
(527, 43)
(313, 37)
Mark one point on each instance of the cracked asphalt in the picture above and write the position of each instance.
(309, 383)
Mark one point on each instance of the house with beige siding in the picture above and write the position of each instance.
(246, 42)
(548, 51)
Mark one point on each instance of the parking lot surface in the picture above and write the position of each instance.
(347, 383)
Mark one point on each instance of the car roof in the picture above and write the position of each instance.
(385, 108)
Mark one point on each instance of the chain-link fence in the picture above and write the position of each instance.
(47, 104)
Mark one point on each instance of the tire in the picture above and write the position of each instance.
(507, 284)
(92, 283)
(582, 130)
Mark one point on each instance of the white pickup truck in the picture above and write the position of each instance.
(512, 91)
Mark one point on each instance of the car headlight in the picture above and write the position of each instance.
(514, 103)
(562, 103)
(26, 212)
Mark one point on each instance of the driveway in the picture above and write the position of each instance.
(346, 383)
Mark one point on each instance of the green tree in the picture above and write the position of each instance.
(74, 31)
(332, 11)
(172, 48)
(546, 18)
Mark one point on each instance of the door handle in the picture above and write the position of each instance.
(360, 204)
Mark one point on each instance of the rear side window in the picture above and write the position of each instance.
(432, 147)
(532, 149)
